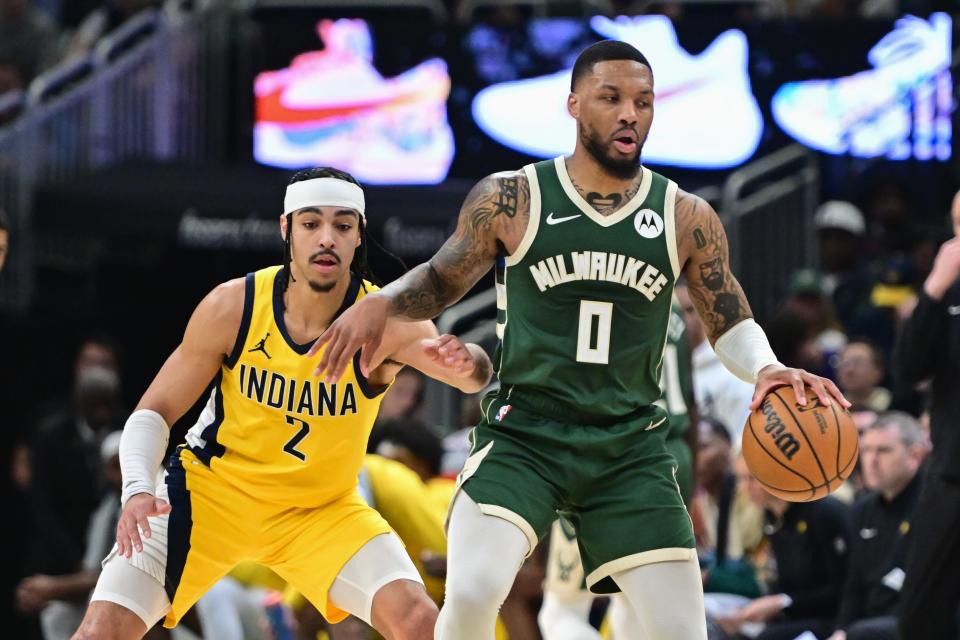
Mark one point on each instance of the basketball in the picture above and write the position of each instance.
(799, 453)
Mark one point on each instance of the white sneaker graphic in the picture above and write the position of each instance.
(706, 115)
(333, 107)
(899, 109)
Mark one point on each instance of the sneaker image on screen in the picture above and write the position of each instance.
(697, 98)
(899, 109)
(332, 107)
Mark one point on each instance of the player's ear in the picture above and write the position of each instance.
(283, 227)
(573, 105)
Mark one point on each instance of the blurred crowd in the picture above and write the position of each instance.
(36, 35)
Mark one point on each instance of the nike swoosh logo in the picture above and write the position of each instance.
(954, 310)
(654, 425)
(552, 220)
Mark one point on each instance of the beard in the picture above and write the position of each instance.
(322, 287)
(621, 168)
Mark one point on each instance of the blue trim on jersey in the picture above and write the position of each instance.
(278, 281)
(213, 449)
(249, 291)
(179, 526)
(369, 391)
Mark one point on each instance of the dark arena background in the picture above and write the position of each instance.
(144, 152)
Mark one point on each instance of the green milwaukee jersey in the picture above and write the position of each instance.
(584, 302)
(676, 380)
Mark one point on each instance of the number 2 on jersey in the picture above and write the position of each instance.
(590, 350)
(291, 446)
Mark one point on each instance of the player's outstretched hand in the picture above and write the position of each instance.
(450, 353)
(133, 521)
(773, 376)
(360, 327)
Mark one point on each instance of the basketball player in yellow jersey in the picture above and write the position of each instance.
(269, 472)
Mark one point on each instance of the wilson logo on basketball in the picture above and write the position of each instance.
(784, 441)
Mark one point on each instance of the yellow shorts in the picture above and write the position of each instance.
(213, 527)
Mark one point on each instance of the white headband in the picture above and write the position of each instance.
(323, 192)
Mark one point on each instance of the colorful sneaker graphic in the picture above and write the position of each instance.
(706, 114)
(332, 107)
(899, 109)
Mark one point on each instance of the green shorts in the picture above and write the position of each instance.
(614, 483)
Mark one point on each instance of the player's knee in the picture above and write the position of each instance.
(419, 622)
(95, 630)
(479, 594)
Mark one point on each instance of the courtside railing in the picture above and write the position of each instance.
(767, 209)
(114, 104)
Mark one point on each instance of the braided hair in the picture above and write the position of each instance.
(360, 266)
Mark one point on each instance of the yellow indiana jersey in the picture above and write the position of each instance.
(271, 428)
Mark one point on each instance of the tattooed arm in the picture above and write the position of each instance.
(721, 304)
(705, 262)
(492, 217)
(485, 218)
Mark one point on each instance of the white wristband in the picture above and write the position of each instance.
(142, 446)
(744, 350)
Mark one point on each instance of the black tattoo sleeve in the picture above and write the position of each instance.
(465, 257)
(715, 292)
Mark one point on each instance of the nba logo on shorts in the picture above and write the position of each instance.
(503, 411)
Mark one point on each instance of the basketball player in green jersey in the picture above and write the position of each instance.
(587, 249)
(565, 612)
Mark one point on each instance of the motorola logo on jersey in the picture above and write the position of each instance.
(648, 223)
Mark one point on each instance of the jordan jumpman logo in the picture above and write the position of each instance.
(262, 346)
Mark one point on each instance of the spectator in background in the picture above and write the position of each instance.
(860, 370)
(29, 39)
(891, 224)
(792, 339)
(807, 298)
(733, 524)
(891, 452)
(840, 229)
(806, 565)
(412, 443)
(4, 235)
(929, 348)
(404, 398)
(717, 392)
(60, 599)
(67, 477)
(102, 21)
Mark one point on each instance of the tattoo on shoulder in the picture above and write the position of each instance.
(698, 238)
(465, 257)
(493, 197)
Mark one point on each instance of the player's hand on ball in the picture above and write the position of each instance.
(450, 353)
(133, 521)
(773, 376)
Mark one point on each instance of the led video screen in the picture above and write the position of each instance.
(409, 102)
